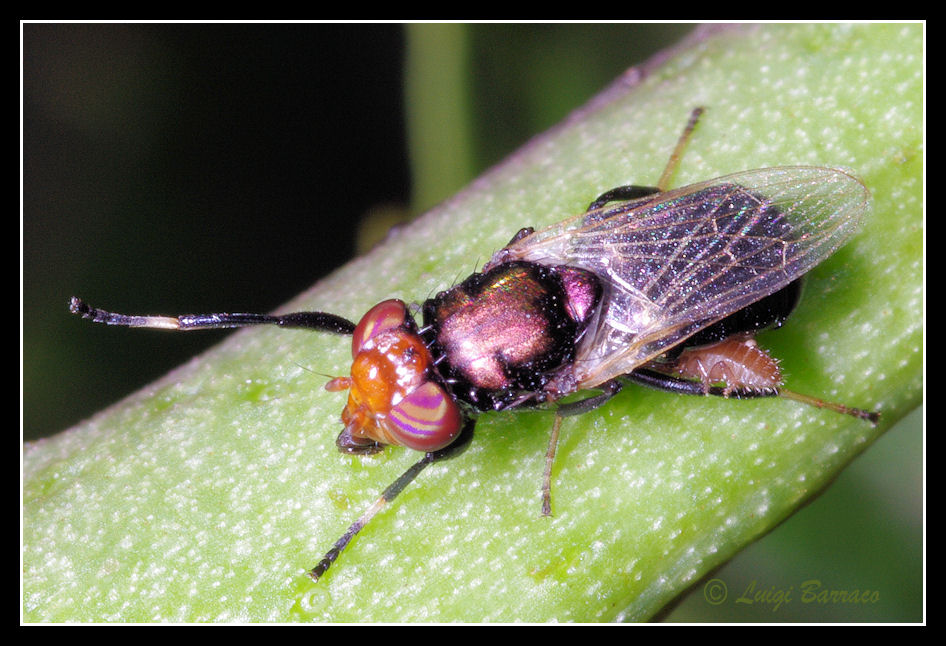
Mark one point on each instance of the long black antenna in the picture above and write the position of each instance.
(321, 321)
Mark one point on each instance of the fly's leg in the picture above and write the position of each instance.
(622, 194)
(633, 192)
(524, 232)
(609, 389)
(389, 494)
(549, 459)
(662, 381)
(629, 192)
(664, 182)
(871, 416)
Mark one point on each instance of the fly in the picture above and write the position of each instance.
(661, 287)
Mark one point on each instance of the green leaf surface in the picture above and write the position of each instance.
(207, 496)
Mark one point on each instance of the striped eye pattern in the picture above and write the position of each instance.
(426, 420)
(392, 398)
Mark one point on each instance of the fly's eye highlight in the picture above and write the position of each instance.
(383, 317)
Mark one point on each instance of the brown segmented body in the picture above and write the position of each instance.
(738, 362)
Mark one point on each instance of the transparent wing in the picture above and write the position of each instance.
(678, 261)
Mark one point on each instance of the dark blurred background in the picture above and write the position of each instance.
(181, 168)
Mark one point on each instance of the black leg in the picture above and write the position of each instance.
(632, 192)
(608, 390)
(622, 194)
(389, 494)
(661, 381)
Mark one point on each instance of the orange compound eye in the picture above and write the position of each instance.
(426, 420)
(386, 316)
(391, 398)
